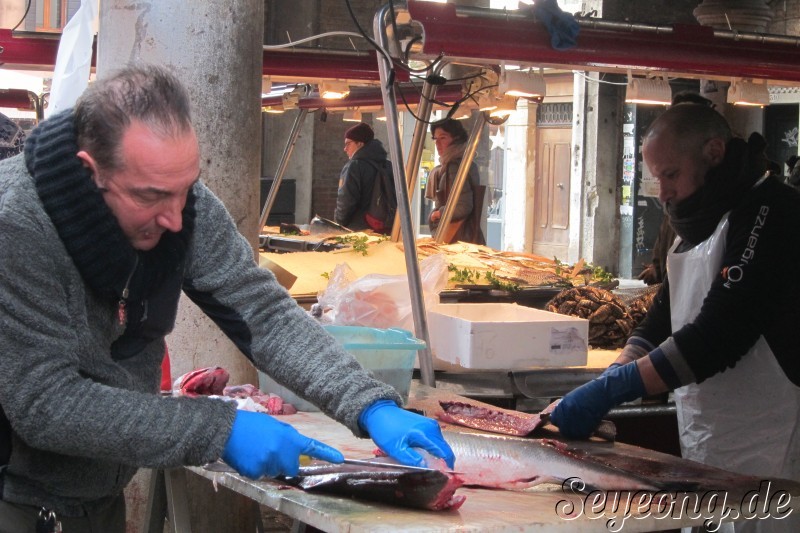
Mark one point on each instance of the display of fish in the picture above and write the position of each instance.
(203, 381)
(515, 463)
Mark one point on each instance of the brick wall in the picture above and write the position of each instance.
(329, 156)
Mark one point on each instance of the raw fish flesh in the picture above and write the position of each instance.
(203, 381)
(269, 403)
(505, 422)
(495, 421)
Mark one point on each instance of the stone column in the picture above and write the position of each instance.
(215, 48)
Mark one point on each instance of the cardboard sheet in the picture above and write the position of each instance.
(309, 267)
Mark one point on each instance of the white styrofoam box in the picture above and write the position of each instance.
(500, 336)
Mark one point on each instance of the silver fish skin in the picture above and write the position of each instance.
(514, 463)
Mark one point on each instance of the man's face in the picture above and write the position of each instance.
(351, 147)
(148, 194)
(442, 140)
(679, 172)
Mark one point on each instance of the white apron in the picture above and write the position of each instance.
(747, 418)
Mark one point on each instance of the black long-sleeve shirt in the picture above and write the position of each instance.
(755, 293)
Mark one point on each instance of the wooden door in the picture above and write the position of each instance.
(551, 193)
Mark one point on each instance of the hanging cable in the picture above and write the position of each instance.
(312, 38)
(370, 40)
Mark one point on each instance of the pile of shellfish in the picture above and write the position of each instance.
(610, 320)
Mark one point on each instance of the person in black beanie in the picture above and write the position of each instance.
(104, 223)
(368, 164)
(720, 332)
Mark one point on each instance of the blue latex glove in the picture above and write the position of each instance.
(396, 431)
(259, 445)
(581, 410)
(611, 367)
(563, 27)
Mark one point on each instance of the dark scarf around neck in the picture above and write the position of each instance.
(106, 260)
(695, 218)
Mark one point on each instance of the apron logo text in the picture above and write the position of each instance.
(734, 273)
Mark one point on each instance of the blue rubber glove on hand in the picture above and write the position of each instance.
(610, 368)
(259, 445)
(581, 410)
(396, 431)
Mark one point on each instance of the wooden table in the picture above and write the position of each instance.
(484, 510)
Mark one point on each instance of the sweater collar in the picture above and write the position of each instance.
(91, 234)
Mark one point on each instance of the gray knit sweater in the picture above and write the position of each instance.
(83, 422)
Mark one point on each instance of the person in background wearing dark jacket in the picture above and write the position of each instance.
(451, 138)
(360, 174)
(721, 331)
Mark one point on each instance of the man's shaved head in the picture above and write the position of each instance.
(690, 125)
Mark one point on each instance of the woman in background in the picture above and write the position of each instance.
(450, 138)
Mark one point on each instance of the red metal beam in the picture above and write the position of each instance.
(16, 98)
(308, 65)
(370, 97)
(27, 51)
(40, 51)
(693, 50)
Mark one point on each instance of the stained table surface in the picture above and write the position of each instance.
(542, 508)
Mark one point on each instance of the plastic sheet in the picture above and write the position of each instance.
(378, 300)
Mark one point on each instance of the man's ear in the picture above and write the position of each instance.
(89, 163)
(714, 151)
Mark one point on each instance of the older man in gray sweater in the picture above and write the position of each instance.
(103, 223)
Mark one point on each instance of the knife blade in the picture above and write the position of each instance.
(219, 466)
(395, 466)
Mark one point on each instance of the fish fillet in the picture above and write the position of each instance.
(495, 421)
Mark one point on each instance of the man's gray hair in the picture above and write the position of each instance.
(146, 93)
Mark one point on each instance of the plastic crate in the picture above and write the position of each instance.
(387, 353)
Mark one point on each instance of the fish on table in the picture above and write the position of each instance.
(421, 488)
(514, 463)
(381, 480)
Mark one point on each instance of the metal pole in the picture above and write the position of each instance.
(461, 177)
(417, 144)
(403, 206)
(287, 153)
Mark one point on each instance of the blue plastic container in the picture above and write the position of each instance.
(388, 354)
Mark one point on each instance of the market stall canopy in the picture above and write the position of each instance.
(515, 36)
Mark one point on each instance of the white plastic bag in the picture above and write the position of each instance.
(378, 300)
(74, 59)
